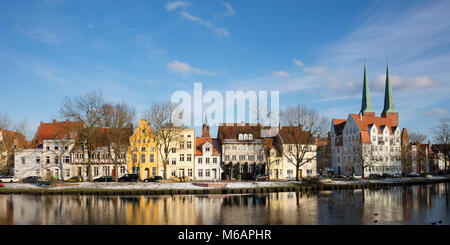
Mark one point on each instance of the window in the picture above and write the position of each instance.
(189, 144)
(56, 148)
(152, 158)
(181, 145)
(190, 172)
(122, 169)
(200, 173)
(143, 149)
(188, 157)
(233, 147)
(227, 157)
(95, 171)
(66, 159)
(309, 171)
(207, 149)
(106, 170)
(152, 149)
(207, 172)
(47, 159)
(233, 157)
(241, 137)
(289, 172)
(22, 159)
(134, 149)
(56, 160)
(214, 159)
(134, 158)
(207, 160)
(48, 148)
(245, 136)
(181, 157)
(153, 171)
(241, 157)
(199, 160)
(67, 172)
(174, 173)
(174, 161)
(174, 150)
(38, 160)
(250, 136)
(142, 158)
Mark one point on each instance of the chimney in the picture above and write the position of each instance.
(67, 120)
(42, 122)
(54, 120)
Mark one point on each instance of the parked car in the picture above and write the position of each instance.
(375, 176)
(354, 176)
(31, 179)
(153, 179)
(129, 178)
(8, 179)
(385, 175)
(262, 177)
(104, 179)
(75, 179)
(413, 174)
(397, 175)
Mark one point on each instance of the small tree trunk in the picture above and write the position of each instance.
(297, 167)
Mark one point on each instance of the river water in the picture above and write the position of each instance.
(421, 204)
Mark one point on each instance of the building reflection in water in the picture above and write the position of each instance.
(395, 205)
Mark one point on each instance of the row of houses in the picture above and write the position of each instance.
(240, 151)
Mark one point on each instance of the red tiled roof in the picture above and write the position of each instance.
(199, 143)
(19, 139)
(56, 130)
(365, 138)
(269, 143)
(367, 120)
(232, 131)
(295, 135)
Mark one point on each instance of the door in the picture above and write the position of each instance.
(79, 171)
(214, 173)
(146, 173)
(299, 173)
(276, 173)
(181, 172)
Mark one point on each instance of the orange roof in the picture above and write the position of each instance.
(199, 143)
(365, 137)
(17, 139)
(367, 120)
(56, 130)
(295, 135)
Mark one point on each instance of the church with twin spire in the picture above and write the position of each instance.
(365, 144)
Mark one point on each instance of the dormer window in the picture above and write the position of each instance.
(245, 136)
(241, 137)
(250, 136)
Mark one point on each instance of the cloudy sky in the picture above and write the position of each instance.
(313, 52)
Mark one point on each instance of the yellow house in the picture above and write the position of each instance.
(143, 152)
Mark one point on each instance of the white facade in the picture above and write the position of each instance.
(382, 153)
(48, 162)
(207, 166)
(181, 156)
(308, 169)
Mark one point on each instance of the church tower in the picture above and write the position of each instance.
(366, 106)
(389, 111)
(205, 130)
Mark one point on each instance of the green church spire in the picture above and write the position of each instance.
(388, 100)
(366, 106)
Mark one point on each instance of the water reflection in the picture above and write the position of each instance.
(395, 205)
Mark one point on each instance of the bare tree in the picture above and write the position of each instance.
(12, 139)
(118, 120)
(366, 158)
(442, 138)
(88, 110)
(301, 126)
(417, 137)
(160, 115)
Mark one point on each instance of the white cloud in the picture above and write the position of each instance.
(170, 6)
(298, 63)
(317, 70)
(230, 10)
(184, 68)
(281, 74)
(399, 83)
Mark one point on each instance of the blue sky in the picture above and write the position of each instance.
(142, 51)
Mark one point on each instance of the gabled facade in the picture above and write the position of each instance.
(365, 144)
(143, 152)
(207, 159)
